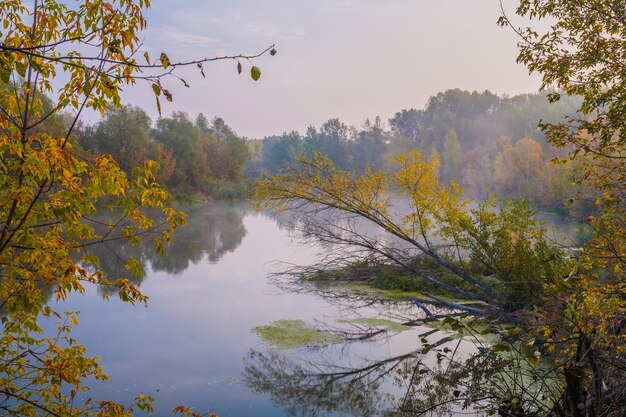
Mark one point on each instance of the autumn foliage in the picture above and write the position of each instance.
(58, 203)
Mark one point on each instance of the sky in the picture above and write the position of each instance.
(346, 59)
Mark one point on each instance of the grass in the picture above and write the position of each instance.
(233, 190)
(380, 323)
(388, 282)
(191, 199)
(368, 289)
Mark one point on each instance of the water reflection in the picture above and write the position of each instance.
(446, 376)
(304, 392)
(474, 376)
(187, 346)
(346, 382)
(214, 231)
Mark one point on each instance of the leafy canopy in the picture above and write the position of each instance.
(504, 243)
(55, 206)
(582, 53)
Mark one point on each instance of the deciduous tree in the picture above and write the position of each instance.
(505, 242)
(580, 52)
(451, 157)
(83, 54)
(124, 133)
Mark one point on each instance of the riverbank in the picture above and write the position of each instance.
(390, 283)
(218, 191)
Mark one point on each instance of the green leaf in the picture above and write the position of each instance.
(87, 85)
(114, 46)
(533, 359)
(450, 320)
(512, 332)
(255, 73)
(5, 76)
(157, 89)
(20, 68)
(501, 347)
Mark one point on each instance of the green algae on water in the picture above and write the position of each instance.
(369, 290)
(384, 323)
(291, 334)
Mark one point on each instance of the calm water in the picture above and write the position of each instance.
(192, 344)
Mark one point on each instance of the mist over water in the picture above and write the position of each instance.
(192, 344)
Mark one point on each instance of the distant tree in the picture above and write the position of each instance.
(202, 122)
(369, 146)
(521, 174)
(451, 157)
(204, 153)
(331, 140)
(178, 134)
(407, 123)
(560, 185)
(124, 133)
(232, 152)
(486, 175)
(436, 156)
(280, 151)
(167, 163)
(255, 149)
(460, 110)
(398, 143)
(479, 116)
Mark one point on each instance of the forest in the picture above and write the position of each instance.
(489, 145)
(486, 143)
(194, 156)
(442, 201)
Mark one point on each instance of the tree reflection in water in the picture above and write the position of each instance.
(213, 231)
(487, 371)
(446, 375)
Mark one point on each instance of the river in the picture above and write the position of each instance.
(193, 343)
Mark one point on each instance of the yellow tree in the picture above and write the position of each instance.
(451, 157)
(49, 197)
(521, 173)
(580, 51)
(494, 255)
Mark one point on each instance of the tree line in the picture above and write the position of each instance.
(486, 143)
(194, 156)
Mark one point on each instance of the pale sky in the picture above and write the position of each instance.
(350, 59)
